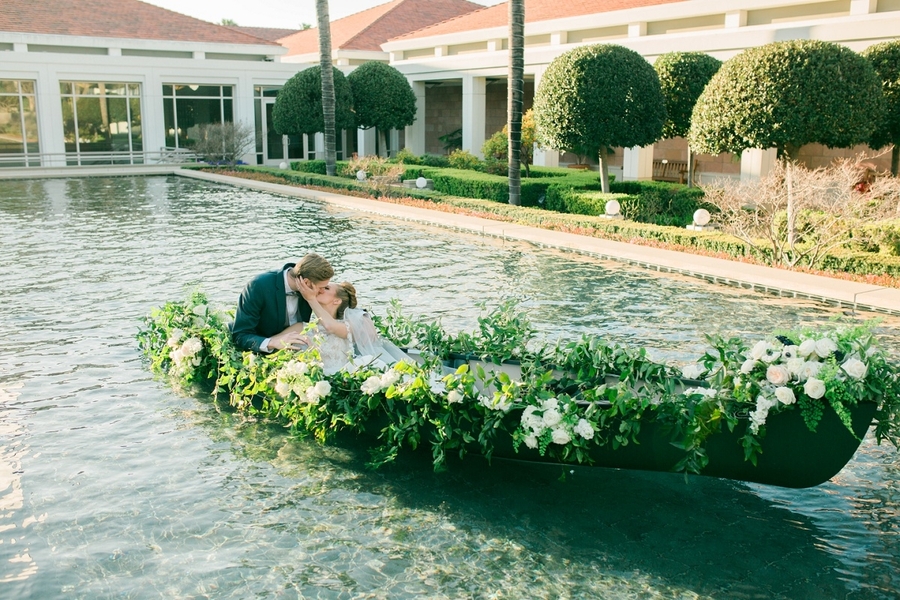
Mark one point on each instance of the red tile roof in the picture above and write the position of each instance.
(535, 10)
(272, 34)
(368, 29)
(113, 19)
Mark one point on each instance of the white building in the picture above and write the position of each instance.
(120, 81)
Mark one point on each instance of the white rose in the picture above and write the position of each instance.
(748, 365)
(825, 348)
(177, 356)
(323, 388)
(200, 310)
(191, 346)
(771, 356)
(693, 371)
(312, 396)
(814, 388)
(855, 368)
(372, 385)
(390, 378)
(177, 334)
(550, 404)
(551, 417)
(795, 366)
(785, 395)
(531, 441)
(561, 436)
(759, 350)
(584, 429)
(454, 397)
(807, 347)
(283, 389)
(810, 369)
(778, 374)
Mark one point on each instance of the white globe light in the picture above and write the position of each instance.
(361, 175)
(701, 217)
(282, 166)
(421, 183)
(613, 208)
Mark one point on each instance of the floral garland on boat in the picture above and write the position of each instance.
(571, 397)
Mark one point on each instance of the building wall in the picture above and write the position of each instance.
(443, 114)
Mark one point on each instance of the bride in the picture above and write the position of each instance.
(345, 334)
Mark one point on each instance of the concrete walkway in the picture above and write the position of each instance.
(849, 294)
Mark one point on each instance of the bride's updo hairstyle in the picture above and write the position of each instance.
(347, 293)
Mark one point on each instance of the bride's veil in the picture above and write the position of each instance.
(366, 339)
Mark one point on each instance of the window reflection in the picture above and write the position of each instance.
(187, 108)
(18, 124)
(102, 118)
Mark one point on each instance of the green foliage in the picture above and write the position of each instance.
(497, 146)
(298, 107)
(682, 77)
(452, 140)
(462, 159)
(885, 59)
(382, 97)
(641, 201)
(571, 397)
(785, 95)
(596, 97)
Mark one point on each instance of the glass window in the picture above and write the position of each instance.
(19, 145)
(188, 107)
(102, 118)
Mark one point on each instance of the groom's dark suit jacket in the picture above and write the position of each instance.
(262, 310)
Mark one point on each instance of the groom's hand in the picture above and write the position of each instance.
(292, 340)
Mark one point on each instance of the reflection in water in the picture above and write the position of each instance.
(142, 492)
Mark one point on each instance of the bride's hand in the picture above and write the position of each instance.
(306, 290)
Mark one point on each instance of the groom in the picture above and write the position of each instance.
(271, 303)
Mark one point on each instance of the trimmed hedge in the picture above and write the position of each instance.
(316, 166)
(847, 261)
(641, 201)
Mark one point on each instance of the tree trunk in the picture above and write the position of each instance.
(382, 144)
(604, 170)
(788, 155)
(516, 86)
(895, 160)
(327, 85)
(690, 168)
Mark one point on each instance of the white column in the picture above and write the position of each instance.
(735, 19)
(543, 157)
(320, 146)
(51, 130)
(365, 141)
(153, 118)
(243, 112)
(305, 147)
(473, 114)
(638, 163)
(415, 133)
(756, 163)
(863, 7)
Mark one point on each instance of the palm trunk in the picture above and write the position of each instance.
(327, 85)
(515, 94)
(895, 160)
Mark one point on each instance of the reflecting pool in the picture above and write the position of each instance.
(114, 486)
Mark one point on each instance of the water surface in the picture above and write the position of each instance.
(114, 486)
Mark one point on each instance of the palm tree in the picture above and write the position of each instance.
(515, 93)
(327, 84)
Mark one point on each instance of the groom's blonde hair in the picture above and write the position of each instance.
(314, 267)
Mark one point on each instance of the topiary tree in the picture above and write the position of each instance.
(594, 98)
(682, 77)
(885, 58)
(298, 107)
(784, 95)
(497, 146)
(382, 98)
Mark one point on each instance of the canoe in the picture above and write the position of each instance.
(792, 455)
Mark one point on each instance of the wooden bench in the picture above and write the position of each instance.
(672, 170)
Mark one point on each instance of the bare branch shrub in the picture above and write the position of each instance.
(829, 205)
(225, 143)
(380, 173)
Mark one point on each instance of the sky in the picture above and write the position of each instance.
(286, 14)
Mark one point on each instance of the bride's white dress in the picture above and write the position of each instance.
(362, 346)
